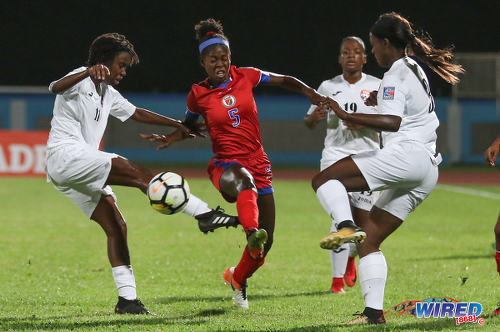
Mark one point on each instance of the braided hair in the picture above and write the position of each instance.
(401, 34)
(207, 29)
(107, 46)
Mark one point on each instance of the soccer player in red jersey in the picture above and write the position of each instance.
(240, 170)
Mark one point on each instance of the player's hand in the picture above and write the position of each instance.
(372, 99)
(315, 98)
(319, 113)
(492, 152)
(164, 140)
(99, 72)
(334, 106)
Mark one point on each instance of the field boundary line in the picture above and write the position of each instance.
(468, 191)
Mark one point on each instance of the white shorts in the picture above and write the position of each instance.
(362, 200)
(404, 171)
(80, 172)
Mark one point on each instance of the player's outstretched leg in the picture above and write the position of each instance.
(211, 220)
(208, 219)
(347, 232)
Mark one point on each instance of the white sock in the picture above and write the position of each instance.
(125, 281)
(333, 198)
(372, 277)
(195, 206)
(338, 257)
(353, 250)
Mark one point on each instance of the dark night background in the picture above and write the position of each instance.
(43, 40)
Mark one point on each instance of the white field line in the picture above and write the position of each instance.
(468, 191)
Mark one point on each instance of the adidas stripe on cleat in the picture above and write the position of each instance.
(208, 222)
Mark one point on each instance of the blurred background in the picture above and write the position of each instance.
(40, 41)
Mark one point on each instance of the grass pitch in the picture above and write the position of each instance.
(54, 272)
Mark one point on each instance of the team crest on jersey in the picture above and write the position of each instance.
(388, 93)
(228, 101)
(365, 94)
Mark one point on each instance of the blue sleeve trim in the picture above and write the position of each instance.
(265, 191)
(264, 77)
(191, 115)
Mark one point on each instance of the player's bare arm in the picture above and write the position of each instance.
(296, 85)
(98, 73)
(383, 122)
(195, 129)
(145, 116)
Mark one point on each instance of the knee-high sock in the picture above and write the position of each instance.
(333, 198)
(248, 211)
(372, 278)
(338, 257)
(195, 206)
(125, 281)
(246, 267)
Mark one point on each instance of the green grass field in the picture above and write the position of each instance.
(54, 273)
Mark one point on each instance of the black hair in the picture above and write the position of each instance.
(355, 38)
(107, 46)
(400, 33)
(207, 29)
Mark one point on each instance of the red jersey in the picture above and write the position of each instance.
(230, 112)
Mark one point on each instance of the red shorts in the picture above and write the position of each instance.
(258, 165)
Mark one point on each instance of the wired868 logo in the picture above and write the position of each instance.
(441, 307)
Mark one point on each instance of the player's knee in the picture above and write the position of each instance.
(236, 179)
(317, 181)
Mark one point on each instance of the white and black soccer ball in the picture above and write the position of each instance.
(168, 192)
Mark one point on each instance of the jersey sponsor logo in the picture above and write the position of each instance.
(364, 94)
(388, 93)
(336, 93)
(228, 100)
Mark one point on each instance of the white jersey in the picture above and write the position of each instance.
(405, 92)
(81, 113)
(339, 141)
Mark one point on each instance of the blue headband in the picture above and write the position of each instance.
(212, 41)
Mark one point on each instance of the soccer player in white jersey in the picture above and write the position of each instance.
(75, 165)
(350, 90)
(405, 168)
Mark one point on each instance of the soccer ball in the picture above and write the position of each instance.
(168, 192)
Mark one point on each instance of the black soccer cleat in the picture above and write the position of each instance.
(368, 316)
(209, 221)
(134, 307)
